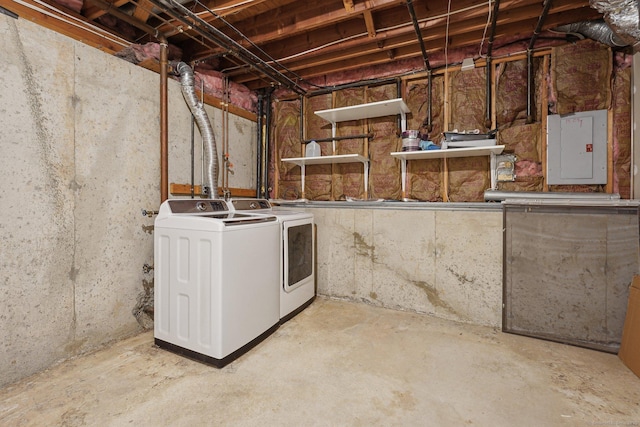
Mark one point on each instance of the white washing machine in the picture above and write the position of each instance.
(297, 248)
(215, 279)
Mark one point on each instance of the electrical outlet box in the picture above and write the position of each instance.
(577, 148)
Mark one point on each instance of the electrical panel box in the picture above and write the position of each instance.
(577, 148)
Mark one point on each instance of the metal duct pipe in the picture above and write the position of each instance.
(187, 79)
(498, 196)
(596, 30)
(623, 17)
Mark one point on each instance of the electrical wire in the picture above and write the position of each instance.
(381, 30)
(233, 6)
(277, 62)
(446, 15)
(272, 61)
(484, 33)
(181, 29)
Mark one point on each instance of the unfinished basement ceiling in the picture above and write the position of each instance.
(300, 42)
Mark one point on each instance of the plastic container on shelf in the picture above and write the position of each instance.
(410, 144)
(313, 149)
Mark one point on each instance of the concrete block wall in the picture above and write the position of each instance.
(79, 160)
(446, 263)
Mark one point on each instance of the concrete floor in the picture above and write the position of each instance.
(335, 364)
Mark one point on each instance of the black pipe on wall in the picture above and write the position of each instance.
(267, 143)
(429, 101)
(399, 95)
(532, 42)
(260, 142)
(494, 21)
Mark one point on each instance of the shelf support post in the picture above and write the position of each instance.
(493, 171)
(403, 175)
(302, 171)
(365, 165)
(333, 136)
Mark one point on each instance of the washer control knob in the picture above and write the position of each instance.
(201, 206)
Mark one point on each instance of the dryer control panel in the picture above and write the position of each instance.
(250, 204)
(191, 206)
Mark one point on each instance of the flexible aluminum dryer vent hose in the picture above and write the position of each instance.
(187, 79)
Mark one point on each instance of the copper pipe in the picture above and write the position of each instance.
(164, 122)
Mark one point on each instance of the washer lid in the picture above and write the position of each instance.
(236, 218)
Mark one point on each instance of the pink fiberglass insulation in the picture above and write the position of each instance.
(349, 179)
(239, 95)
(622, 125)
(137, 53)
(319, 177)
(286, 131)
(528, 168)
(384, 170)
(580, 75)
(425, 176)
(210, 80)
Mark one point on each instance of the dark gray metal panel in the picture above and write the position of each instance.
(567, 272)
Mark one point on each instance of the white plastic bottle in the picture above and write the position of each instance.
(313, 149)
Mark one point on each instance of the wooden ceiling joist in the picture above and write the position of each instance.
(143, 11)
(93, 12)
(368, 21)
(302, 39)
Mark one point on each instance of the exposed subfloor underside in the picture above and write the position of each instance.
(338, 363)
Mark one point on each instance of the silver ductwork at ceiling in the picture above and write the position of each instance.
(623, 17)
(210, 154)
(596, 30)
(619, 28)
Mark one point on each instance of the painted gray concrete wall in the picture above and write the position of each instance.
(79, 160)
(443, 263)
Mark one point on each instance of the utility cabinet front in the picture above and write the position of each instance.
(577, 148)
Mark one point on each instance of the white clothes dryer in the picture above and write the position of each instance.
(297, 254)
